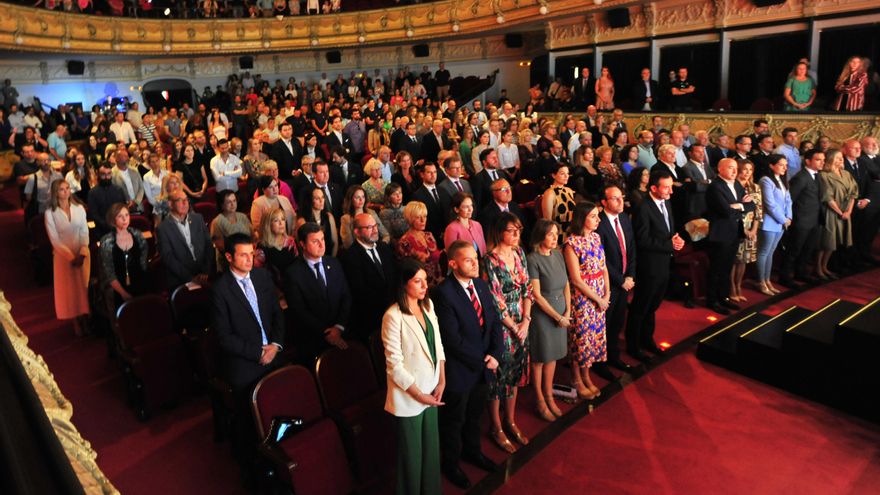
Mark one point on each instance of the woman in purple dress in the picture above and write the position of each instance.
(588, 275)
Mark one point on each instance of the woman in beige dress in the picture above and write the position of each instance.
(839, 197)
(605, 90)
(68, 232)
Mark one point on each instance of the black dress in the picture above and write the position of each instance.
(587, 185)
(129, 273)
(192, 174)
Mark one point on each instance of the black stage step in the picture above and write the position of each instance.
(760, 349)
(856, 347)
(859, 335)
(720, 347)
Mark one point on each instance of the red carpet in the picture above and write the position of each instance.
(687, 427)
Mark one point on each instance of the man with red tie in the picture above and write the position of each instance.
(472, 339)
(618, 239)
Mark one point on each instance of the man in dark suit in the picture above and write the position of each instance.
(697, 177)
(286, 152)
(332, 194)
(585, 87)
(726, 203)
(801, 239)
(646, 92)
(720, 150)
(482, 185)
(501, 201)
(203, 154)
(185, 245)
(666, 161)
(411, 143)
(398, 135)
(317, 296)
(454, 183)
(336, 139)
(434, 142)
(472, 339)
(249, 326)
(759, 128)
(438, 205)
(305, 178)
(370, 269)
(656, 241)
(618, 239)
(761, 157)
(343, 173)
(864, 227)
(247, 318)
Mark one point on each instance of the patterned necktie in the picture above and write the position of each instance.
(476, 302)
(620, 239)
(458, 186)
(255, 307)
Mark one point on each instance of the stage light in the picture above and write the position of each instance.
(712, 318)
(665, 345)
(314, 41)
(167, 12)
(166, 47)
(544, 10)
(410, 33)
(456, 26)
(165, 95)
(361, 39)
(19, 39)
(500, 19)
(267, 43)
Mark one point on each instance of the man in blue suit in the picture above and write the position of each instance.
(618, 239)
(317, 296)
(472, 339)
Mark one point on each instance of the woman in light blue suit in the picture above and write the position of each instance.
(415, 365)
(777, 218)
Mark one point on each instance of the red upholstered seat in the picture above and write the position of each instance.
(155, 363)
(692, 266)
(352, 396)
(525, 192)
(313, 460)
(207, 210)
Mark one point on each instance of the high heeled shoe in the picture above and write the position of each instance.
(596, 390)
(516, 433)
(773, 289)
(502, 441)
(765, 290)
(544, 412)
(583, 391)
(551, 404)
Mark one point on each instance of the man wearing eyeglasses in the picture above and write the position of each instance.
(370, 268)
(501, 202)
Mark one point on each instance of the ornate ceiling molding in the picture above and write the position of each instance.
(32, 29)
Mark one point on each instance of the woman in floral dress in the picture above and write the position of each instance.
(419, 243)
(588, 275)
(507, 272)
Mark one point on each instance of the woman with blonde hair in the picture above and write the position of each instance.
(277, 248)
(374, 186)
(68, 232)
(420, 244)
(850, 86)
(268, 201)
(839, 197)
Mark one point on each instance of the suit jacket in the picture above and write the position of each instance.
(137, 183)
(413, 148)
(332, 141)
(437, 211)
(238, 331)
(863, 177)
(482, 187)
(313, 309)
(180, 267)
(465, 342)
(640, 94)
(777, 205)
(408, 360)
(762, 164)
(448, 189)
(490, 213)
(716, 154)
(806, 199)
(653, 238)
(585, 91)
(613, 255)
(696, 190)
(375, 288)
(431, 147)
(287, 161)
(335, 206)
(355, 176)
(725, 222)
(397, 138)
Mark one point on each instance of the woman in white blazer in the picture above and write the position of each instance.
(414, 363)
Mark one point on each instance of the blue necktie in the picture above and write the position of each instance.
(319, 275)
(252, 300)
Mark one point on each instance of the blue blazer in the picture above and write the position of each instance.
(777, 205)
(465, 343)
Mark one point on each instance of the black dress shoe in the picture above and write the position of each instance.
(640, 356)
(457, 477)
(481, 461)
(718, 308)
(727, 303)
(653, 349)
(619, 364)
(602, 370)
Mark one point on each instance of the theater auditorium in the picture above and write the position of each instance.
(323, 247)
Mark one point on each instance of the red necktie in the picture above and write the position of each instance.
(622, 241)
(476, 302)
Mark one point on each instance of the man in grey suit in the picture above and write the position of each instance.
(185, 245)
(454, 182)
(697, 177)
(129, 180)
